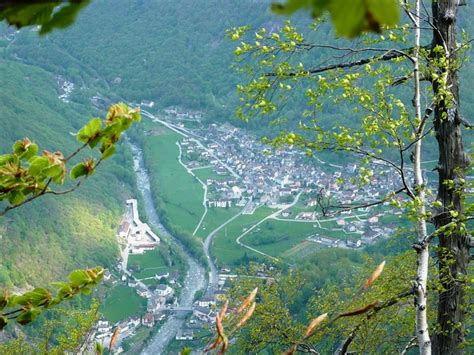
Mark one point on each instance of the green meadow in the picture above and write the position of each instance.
(122, 302)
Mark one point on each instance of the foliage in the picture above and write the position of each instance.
(48, 15)
(370, 311)
(65, 331)
(25, 175)
(349, 19)
(234, 321)
(25, 308)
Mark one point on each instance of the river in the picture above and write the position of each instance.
(195, 277)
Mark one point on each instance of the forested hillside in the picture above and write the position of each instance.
(45, 240)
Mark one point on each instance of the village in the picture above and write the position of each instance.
(246, 174)
(137, 238)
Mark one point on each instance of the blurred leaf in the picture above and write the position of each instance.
(49, 15)
(108, 152)
(28, 316)
(16, 197)
(350, 18)
(37, 164)
(79, 277)
(90, 132)
(78, 171)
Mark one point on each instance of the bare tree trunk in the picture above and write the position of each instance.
(422, 330)
(453, 247)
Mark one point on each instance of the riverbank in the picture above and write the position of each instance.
(195, 277)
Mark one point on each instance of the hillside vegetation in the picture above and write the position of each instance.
(45, 240)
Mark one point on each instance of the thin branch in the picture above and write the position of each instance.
(392, 301)
(411, 344)
(389, 55)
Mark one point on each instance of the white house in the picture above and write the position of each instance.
(164, 291)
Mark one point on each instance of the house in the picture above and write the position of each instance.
(148, 320)
(134, 322)
(147, 103)
(142, 290)
(155, 303)
(107, 275)
(327, 241)
(307, 216)
(124, 229)
(103, 326)
(204, 314)
(184, 334)
(162, 275)
(206, 301)
(164, 291)
(370, 236)
(312, 202)
(352, 244)
(132, 282)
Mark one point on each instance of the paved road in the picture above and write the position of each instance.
(207, 244)
(195, 277)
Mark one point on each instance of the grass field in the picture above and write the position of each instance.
(225, 248)
(180, 192)
(121, 303)
(150, 263)
(209, 173)
(274, 237)
(214, 218)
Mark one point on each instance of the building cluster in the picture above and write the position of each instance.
(65, 88)
(178, 113)
(136, 234)
(246, 172)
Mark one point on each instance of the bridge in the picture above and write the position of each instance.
(177, 309)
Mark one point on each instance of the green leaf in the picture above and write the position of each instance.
(90, 131)
(39, 296)
(5, 158)
(86, 290)
(79, 277)
(386, 12)
(37, 164)
(53, 171)
(65, 292)
(28, 316)
(99, 348)
(16, 197)
(108, 152)
(3, 322)
(348, 18)
(78, 171)
(25, 149)
(47, 14)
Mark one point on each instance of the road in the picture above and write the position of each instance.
(204, 186)
(195, 278)
(207, 244)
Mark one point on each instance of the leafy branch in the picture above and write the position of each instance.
(25, 175)
(25, 308)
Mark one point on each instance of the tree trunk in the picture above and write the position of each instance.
(453, 247)
(421, 304)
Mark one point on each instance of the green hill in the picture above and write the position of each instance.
(45, 240)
